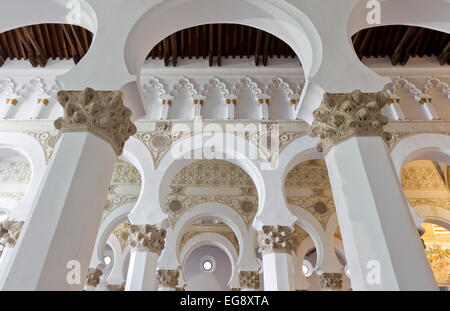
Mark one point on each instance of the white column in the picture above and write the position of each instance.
(168, 280)
(230, 101)
(382, 246)
(276, 244)
(57, 239)
(147, 243)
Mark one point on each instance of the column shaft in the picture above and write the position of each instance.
(142, 271)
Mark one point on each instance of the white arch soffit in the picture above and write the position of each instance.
(277, 17)
(115, 218)
(211, 239)
(434, 214)
(220, 211)
(431, 14)
(172, 162)
(434, 147)
(32, 150)
(25, 12)
(306, 245)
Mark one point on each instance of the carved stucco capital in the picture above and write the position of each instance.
(147, 237)
(100, 112)
(330, 281)
(249, 279)
(93, 276)
(168, 278)
(13, 229)
(341, 116)
(276, 239)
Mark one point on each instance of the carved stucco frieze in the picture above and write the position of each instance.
(47, 140)
(147, 237)
(330, 281)
(100, 112)
(15, 172)
(233, 188)
(345, 115)
(276, 239)
(168, 278)
(122, 233)
(159, 141)
(13, 229)
(249, 279)
(93, 276)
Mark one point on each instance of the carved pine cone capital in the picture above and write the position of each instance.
(100, 112)
(330, 281)
(146, 237)
(249, 279)
(93, 276)
(168, 278)
(341, 116)
(13, 229)
(276, 239)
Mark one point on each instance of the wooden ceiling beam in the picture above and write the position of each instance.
(211, 45)
(4, 42)
(30, 52)
(266, 48)
(76, 57)
(79, 46)
(398, 54)
(444, 56)
(173, 42)
(219, 45)
(166, 51)
(18, 43)
(41, 56)
(12, 42)
(56, 41)
(364, 43)
(257, 46)
(48, 41)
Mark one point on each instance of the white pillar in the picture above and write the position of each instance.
(55, 246)
(382, 246)
(276, 244)
(147, 243)
(168, 280)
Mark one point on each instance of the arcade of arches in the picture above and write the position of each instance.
(245, 149)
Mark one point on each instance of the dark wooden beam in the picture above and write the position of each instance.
(166, 51)
(79, 46)
(41, 56)
(249, 42)
(398, 54)
(257, 46)
(219, 45)
(182, 43)
(242, 41)
(12, 42)
(48, 41)
(266, 48)
(362, 49)
(4, 42)
(211, 45)
(444, 56)
(73, 51)
(30, 52)
(173, 42)
(56, 41)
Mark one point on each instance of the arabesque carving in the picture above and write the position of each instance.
(345, 115)
(100, 112)
(168, 278)
(276, 239)
(249, 279)
(146, 237)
